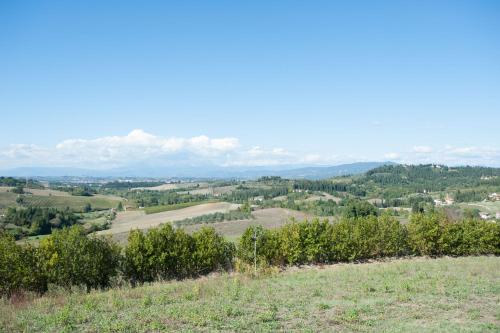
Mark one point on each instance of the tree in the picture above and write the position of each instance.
(358, 208)
(73, 259)
(87, 208)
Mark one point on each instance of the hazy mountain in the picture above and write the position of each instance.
(319, 172)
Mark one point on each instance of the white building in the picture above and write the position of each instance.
(484, 216)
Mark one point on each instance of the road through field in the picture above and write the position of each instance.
(125, 221)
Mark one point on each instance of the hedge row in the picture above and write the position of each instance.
(69, 258)
(368, 237)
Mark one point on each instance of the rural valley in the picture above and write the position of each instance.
(250, 166)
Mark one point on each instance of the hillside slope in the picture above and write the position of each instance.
(425, 295)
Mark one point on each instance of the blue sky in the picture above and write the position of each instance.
(107, 83)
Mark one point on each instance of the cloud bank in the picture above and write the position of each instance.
(140, 147)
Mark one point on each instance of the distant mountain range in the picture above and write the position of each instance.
(316, 172)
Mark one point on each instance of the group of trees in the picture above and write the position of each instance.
(232, 215)
(244, 194)
(69, 258)
(368, 237)
(147, 198)
(66, 258)
(38, 220)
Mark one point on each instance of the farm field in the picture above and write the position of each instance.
(217, 190)
(268, 218)
(43, 198)
(125, 221)
(484, 206)
(406, 295)
(172, 186)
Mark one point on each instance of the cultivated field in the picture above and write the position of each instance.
(174, 186)
(268, 218)
(324, 196)
(125, 221)
(488, 206)
(218, 190)
(409, 295)
(56, 199)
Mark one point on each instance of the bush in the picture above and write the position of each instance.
(10, 265)
(425, 232)
(168, 253)
(266, 246)
(20, 268)
(212, 252)
(316, 242)
(73, 259)
(470, 237)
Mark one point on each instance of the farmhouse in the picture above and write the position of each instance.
(438, 202)
(494, 197)
(484, 215)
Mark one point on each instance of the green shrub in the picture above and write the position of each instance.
(425, 232)
(20, 268)
(73, 259)
(266, 246)
(212, 252)
(471, 237)
(10, 266)
(136, 265)
(168, 253)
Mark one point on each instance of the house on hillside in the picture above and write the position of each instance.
(484, 215)
(494, 197)
(497, 215)
(438, 202)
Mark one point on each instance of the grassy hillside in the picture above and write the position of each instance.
(77, 203)
(424, 295)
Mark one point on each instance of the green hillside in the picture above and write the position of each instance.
(424, 295)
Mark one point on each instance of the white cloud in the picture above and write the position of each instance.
(450, 155)
(392, 156)
(422, 149)
(140, 147)
(137, 146)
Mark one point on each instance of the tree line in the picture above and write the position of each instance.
(68, 258)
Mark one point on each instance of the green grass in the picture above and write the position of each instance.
(410, 295)
(76, 203)
(489, 206)
(166, 208)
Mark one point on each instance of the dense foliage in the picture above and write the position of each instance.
(69, 258)
(168, 253)
(368, 237)
(37, 220)
(397, 184)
